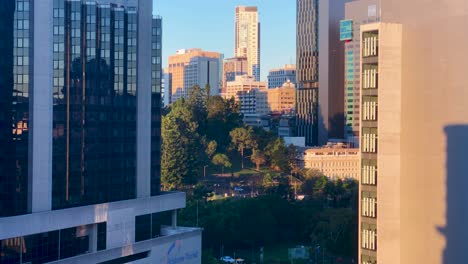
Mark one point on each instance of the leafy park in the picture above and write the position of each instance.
(205, 143)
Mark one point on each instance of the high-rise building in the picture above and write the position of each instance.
(307, 70)
(319, 70)
(422, 126)
(233, 67)
(381, 143)
(80, 113)
(357, 13)
(193, 67)
(247, 38)
(276, 77)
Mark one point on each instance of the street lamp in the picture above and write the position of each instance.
(204, 171)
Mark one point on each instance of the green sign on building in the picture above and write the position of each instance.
(346, 30)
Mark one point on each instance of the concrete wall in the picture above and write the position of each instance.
(331, 70)
(119, 216)
(389, 149)
(40, 178)
(143, 179)
(434, 139)
(183, 247)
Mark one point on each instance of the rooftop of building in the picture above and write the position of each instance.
(246, 8)
(335, 149)
(285, 67)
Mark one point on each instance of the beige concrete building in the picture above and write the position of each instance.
(243, 83)
(381, 144)
(233, 67)
(336, 161)
(247, 38)
(421, 174)
(190, 67)
(282, 99)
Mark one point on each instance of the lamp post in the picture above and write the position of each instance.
(204, 171)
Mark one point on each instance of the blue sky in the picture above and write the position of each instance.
(209, 24)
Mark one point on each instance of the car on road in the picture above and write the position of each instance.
(238, 189)
(227, 259)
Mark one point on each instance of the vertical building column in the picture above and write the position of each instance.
(143, 178)
(174, 219)
(40, 176)
(92, 236)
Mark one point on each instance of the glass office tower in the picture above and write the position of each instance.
(80, 125)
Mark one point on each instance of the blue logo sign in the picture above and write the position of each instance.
(346, 30)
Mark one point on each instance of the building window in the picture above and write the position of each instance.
(369, 140)
(369, 204)
(369, 108)
(370, 76)
(369, 237)
(369, 172)
(370, 44)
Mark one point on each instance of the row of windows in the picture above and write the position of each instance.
(370, 46)
(369, 175)
(369, 108)
(369, 239)
(369, 78)
(369, 207)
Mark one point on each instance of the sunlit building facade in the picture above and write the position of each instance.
(190, 67)
(247, 38)
(276, 77)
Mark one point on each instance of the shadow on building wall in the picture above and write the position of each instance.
(456, 229)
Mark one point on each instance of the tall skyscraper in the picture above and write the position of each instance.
(307, 71)
(380, 126)
(247, 37)
(422, 125)
(80, 113)
(320, 79)
(357, 13)
(189, 67)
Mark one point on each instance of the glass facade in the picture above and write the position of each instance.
(307, 71)
(15, 91)
(95, 85)
(149, 226)
(50, 246)
(156, 102)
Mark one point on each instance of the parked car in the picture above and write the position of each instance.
(227, 259)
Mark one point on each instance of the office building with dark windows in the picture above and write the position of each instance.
(80, 126)
(307, 71)
(319, 71)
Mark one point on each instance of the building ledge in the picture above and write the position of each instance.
(139, 247)
(41, 222)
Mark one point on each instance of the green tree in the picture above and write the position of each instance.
(211, 149)
(180, 148)
(278, 155)
(258, 158)
(242, 139)
(221, 160)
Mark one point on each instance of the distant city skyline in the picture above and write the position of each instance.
(186, 28)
